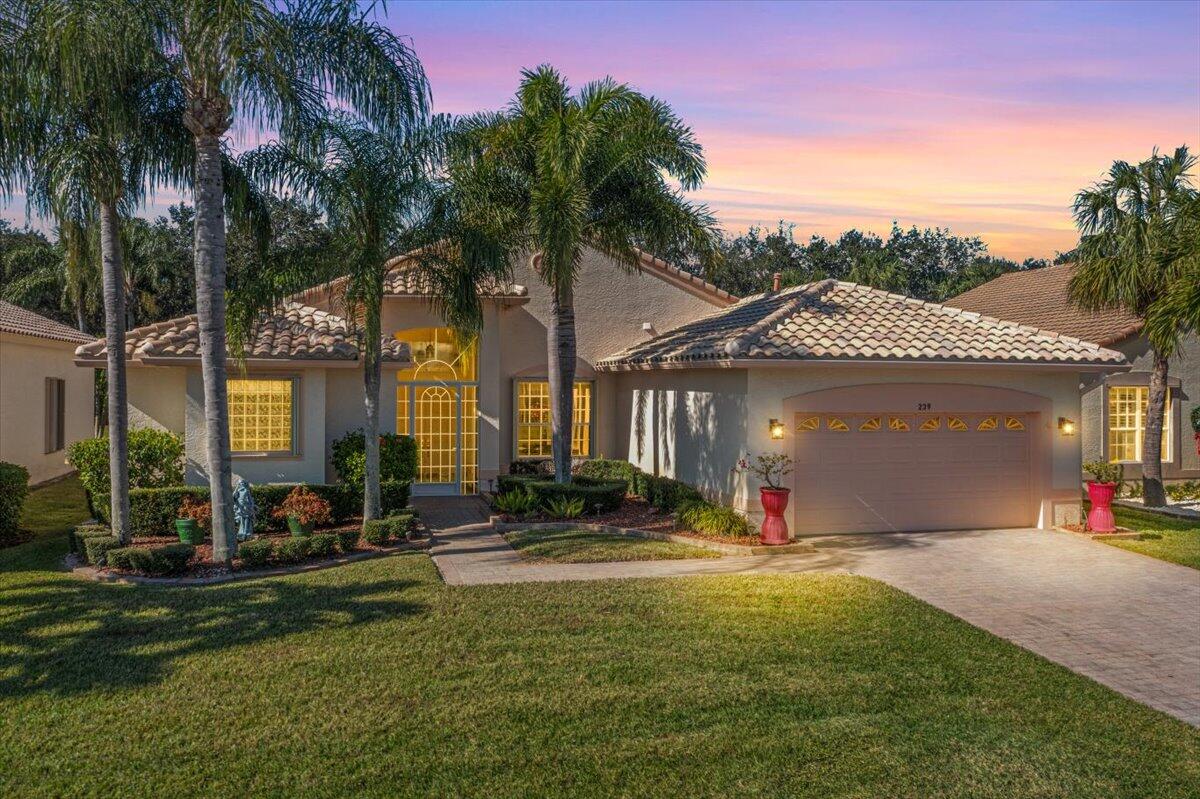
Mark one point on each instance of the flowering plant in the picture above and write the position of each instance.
(201, 512)
(306, 506)
(770, 469)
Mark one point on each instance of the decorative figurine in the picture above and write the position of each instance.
(243, 510)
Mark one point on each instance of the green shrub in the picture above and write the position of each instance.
(255, 553)
(564, 507)
(1196, 419)
(613, 470)
(598, 496)
(400, 525)
(97, 548)
(292, 550)
(393, 496)
(1105, 472)
(123, 558)
(157, 562)
(705, 517)
(1131, 488)
(397, 458)
(667, 494)
(155, 461)
(531, 467)
(1186, 490)
(174, 558)
(14, 487)
(322, 545)
(376, 532)
(347, 540)
(76, 538)
(516, 502)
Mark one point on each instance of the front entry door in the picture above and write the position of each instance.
(434, 411)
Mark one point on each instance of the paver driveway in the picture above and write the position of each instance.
(1126, 620)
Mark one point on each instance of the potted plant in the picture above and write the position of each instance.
(303, 510)
(770, 469)
(1196, 427)
(1101, 491)
(194, 520)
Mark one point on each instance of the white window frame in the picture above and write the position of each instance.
(1168, 453)
(516, 391)
(295, 450)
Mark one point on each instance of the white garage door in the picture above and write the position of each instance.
(879, 472)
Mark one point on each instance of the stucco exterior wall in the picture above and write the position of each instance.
(1184, 463)
(157, 397)
(694, 424)
(25, 363)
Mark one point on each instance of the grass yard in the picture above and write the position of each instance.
(585, 546)
(55, 508)
(377, 679)
(1179, 541)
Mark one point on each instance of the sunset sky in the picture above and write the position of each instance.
(984, 118)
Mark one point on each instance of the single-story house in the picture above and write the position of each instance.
(46, 403)
(900, 414)
(1114, 404)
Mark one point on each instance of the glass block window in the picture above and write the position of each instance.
(261, 413)
(533, 419)
(1126, 423)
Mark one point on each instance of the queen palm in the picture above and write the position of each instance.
(1132, 254)
(559, 172)
(273, 67)
(82, 115)
(374, 191)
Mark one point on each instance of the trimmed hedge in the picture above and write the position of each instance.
(152, 511)
(77, 537)
(705, 517)
(609, 470)
(156, 561)
(598, 496)
(256, 553)
(400, 525)
(663, 493)
(397, 458)
(377, 531)
(322, 545)
(14, 487)
(347, 540)
(155, 461)
(292, 550)
(96, 548)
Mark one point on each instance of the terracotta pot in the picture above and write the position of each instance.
(774, 527)
(1100, 518)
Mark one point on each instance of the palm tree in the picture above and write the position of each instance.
(373, 190)
(82, 118)
(1133, 231)
(557, 173)
(65, 274)
(275, 68)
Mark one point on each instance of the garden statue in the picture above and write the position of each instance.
(243, 510)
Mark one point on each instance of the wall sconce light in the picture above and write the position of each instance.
(1066, 426)
(776, 428)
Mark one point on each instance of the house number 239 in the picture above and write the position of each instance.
(924, 406)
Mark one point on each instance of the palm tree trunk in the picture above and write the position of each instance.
(80, 316)
(210, 311)
(1152, 485)
(560, 347)
(118, 408)
(371, 379)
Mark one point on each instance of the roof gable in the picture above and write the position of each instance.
(24, 322)
(837, 321)
(1038, 297)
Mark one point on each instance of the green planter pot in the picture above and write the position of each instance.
(189, 531)
(299, 529)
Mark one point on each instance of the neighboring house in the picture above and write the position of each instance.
(45, 402)
(901, 414)
(1114, 405)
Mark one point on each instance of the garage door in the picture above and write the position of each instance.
(879, 472)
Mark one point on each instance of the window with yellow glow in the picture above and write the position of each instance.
(956, 424)
(1013, 423)
(261, 414)
(438, 355)
(470, 440)
(837, 425)
(931, 424)
(987, 423)
(808, 423)
(870, 424)
(533, 419)
(1127, 423)
(897, 424)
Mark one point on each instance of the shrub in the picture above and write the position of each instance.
(347, 540)
(14, 487)
(97, 547)
(1188, 489)
(598, 496)
(377, 531)
(531, 466)
(292, 550)
(667, 494)
(393, 495)
(1196, 419)
(1104, 472)
(174, 558)
(397, 457)
(516, 502)
(255, 553)
(322, 545)
(705, 517)
(123, 557)
(76, 538)
(400, 525)
(198, 510)
(564, 507)
(614, 470)
(306, 506)
(155, 461)
(1132, 488)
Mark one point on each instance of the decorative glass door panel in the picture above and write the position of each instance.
(435, 417)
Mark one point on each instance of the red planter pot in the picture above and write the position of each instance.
(1196, 436)
(1100, 519)
(774, 527)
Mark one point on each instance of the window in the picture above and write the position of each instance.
(56, 412)
(956, 423)
(808, 424)
(1013, 423)
(987, 423)
(262, 415)
(1126, 423)
(438, 355)
(930, 424)
(897, 425)
(870, 424)
(533, 419)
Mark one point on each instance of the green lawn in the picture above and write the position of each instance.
(585, 546)
(1179, 541)
(377, 679)
(55, 508)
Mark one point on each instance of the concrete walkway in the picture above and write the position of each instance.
(1126, 620)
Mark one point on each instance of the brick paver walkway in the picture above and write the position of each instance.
(1126, 620)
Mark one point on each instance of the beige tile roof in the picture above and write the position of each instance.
(23, 322)
(1038, 297)
(837, 321)
(297, 333)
